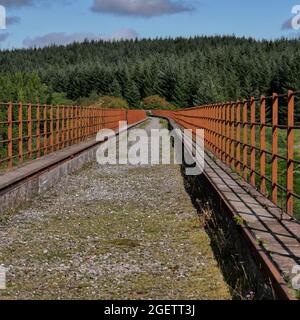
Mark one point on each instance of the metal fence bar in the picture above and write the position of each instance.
(57, 134)
(45, 134)
(76, 125)
(51, 129)
(80, 124)
(72, 125)
(275, 148)
(9, 135)
(238, 137)
(84, 123)
(228, 134)
(245, 140)
(29, 131)
(290, 152)
(219, 110)
(20, 125)
(63, 126)
(253, 143)
(68, 126)
(29, 128)
(232, 119)
(224, 132)
(246, 136)
(38, 132)
(263, 146)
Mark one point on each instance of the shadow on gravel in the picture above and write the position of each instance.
(239, 269)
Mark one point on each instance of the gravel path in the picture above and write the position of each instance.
(110, 232)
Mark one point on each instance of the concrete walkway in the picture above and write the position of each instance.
(110, 232)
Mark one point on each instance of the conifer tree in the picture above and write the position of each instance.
(132, 95)
(115, 89)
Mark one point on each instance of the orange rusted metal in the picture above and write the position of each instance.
(45, 134)
(38, 132)
(63, 126)
(29, 128)
(238, 137)
(10, 135)
(290, 152)
(248, 142)
(232, 119)
(245, 140)
(68, 126)
(57, 134)
(228, 134)
(263, 145)
(20, 132)
(275, 148)
(253, 142)
(223, 132)
(52, 128)
(71, 125)
(79, 125)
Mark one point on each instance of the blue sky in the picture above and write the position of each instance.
(42, 22)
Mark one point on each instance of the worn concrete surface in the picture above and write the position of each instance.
(110, 232)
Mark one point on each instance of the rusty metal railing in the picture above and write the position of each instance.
(29, 131)
(257, 138)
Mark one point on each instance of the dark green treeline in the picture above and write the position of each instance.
(186, 72)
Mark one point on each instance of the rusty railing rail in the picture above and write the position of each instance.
(29, 131)
(257, 138)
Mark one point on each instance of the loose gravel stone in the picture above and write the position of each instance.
(110, 232)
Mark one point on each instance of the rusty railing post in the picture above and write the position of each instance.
(92, 111)
(224, 133)
(218, 131)
(232, 119)
(215, 129)
(38, 131)
(20, 132)
(228, 133)
(85, 123)
(10, 135)
(63, 126)
(238, 137)
(290, 152)
(57, 135)
(89, 121)
(72, 125)
(245, 140)
(29, 130)
(253, 143)
(68, 126)
(51, 129)
(275, 148)
(45, 134)
(263, 186)
(75, 123)
(80, 124)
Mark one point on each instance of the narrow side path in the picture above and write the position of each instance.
(112, 232)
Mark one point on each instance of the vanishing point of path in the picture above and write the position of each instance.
(112, 232)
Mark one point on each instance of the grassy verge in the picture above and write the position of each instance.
(282, 165)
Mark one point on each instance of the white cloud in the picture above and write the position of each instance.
(62, 38)
(142, 8)
(124, 34)
(15, 3)
(21, 3)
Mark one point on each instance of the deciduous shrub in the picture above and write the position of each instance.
(156, 103)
